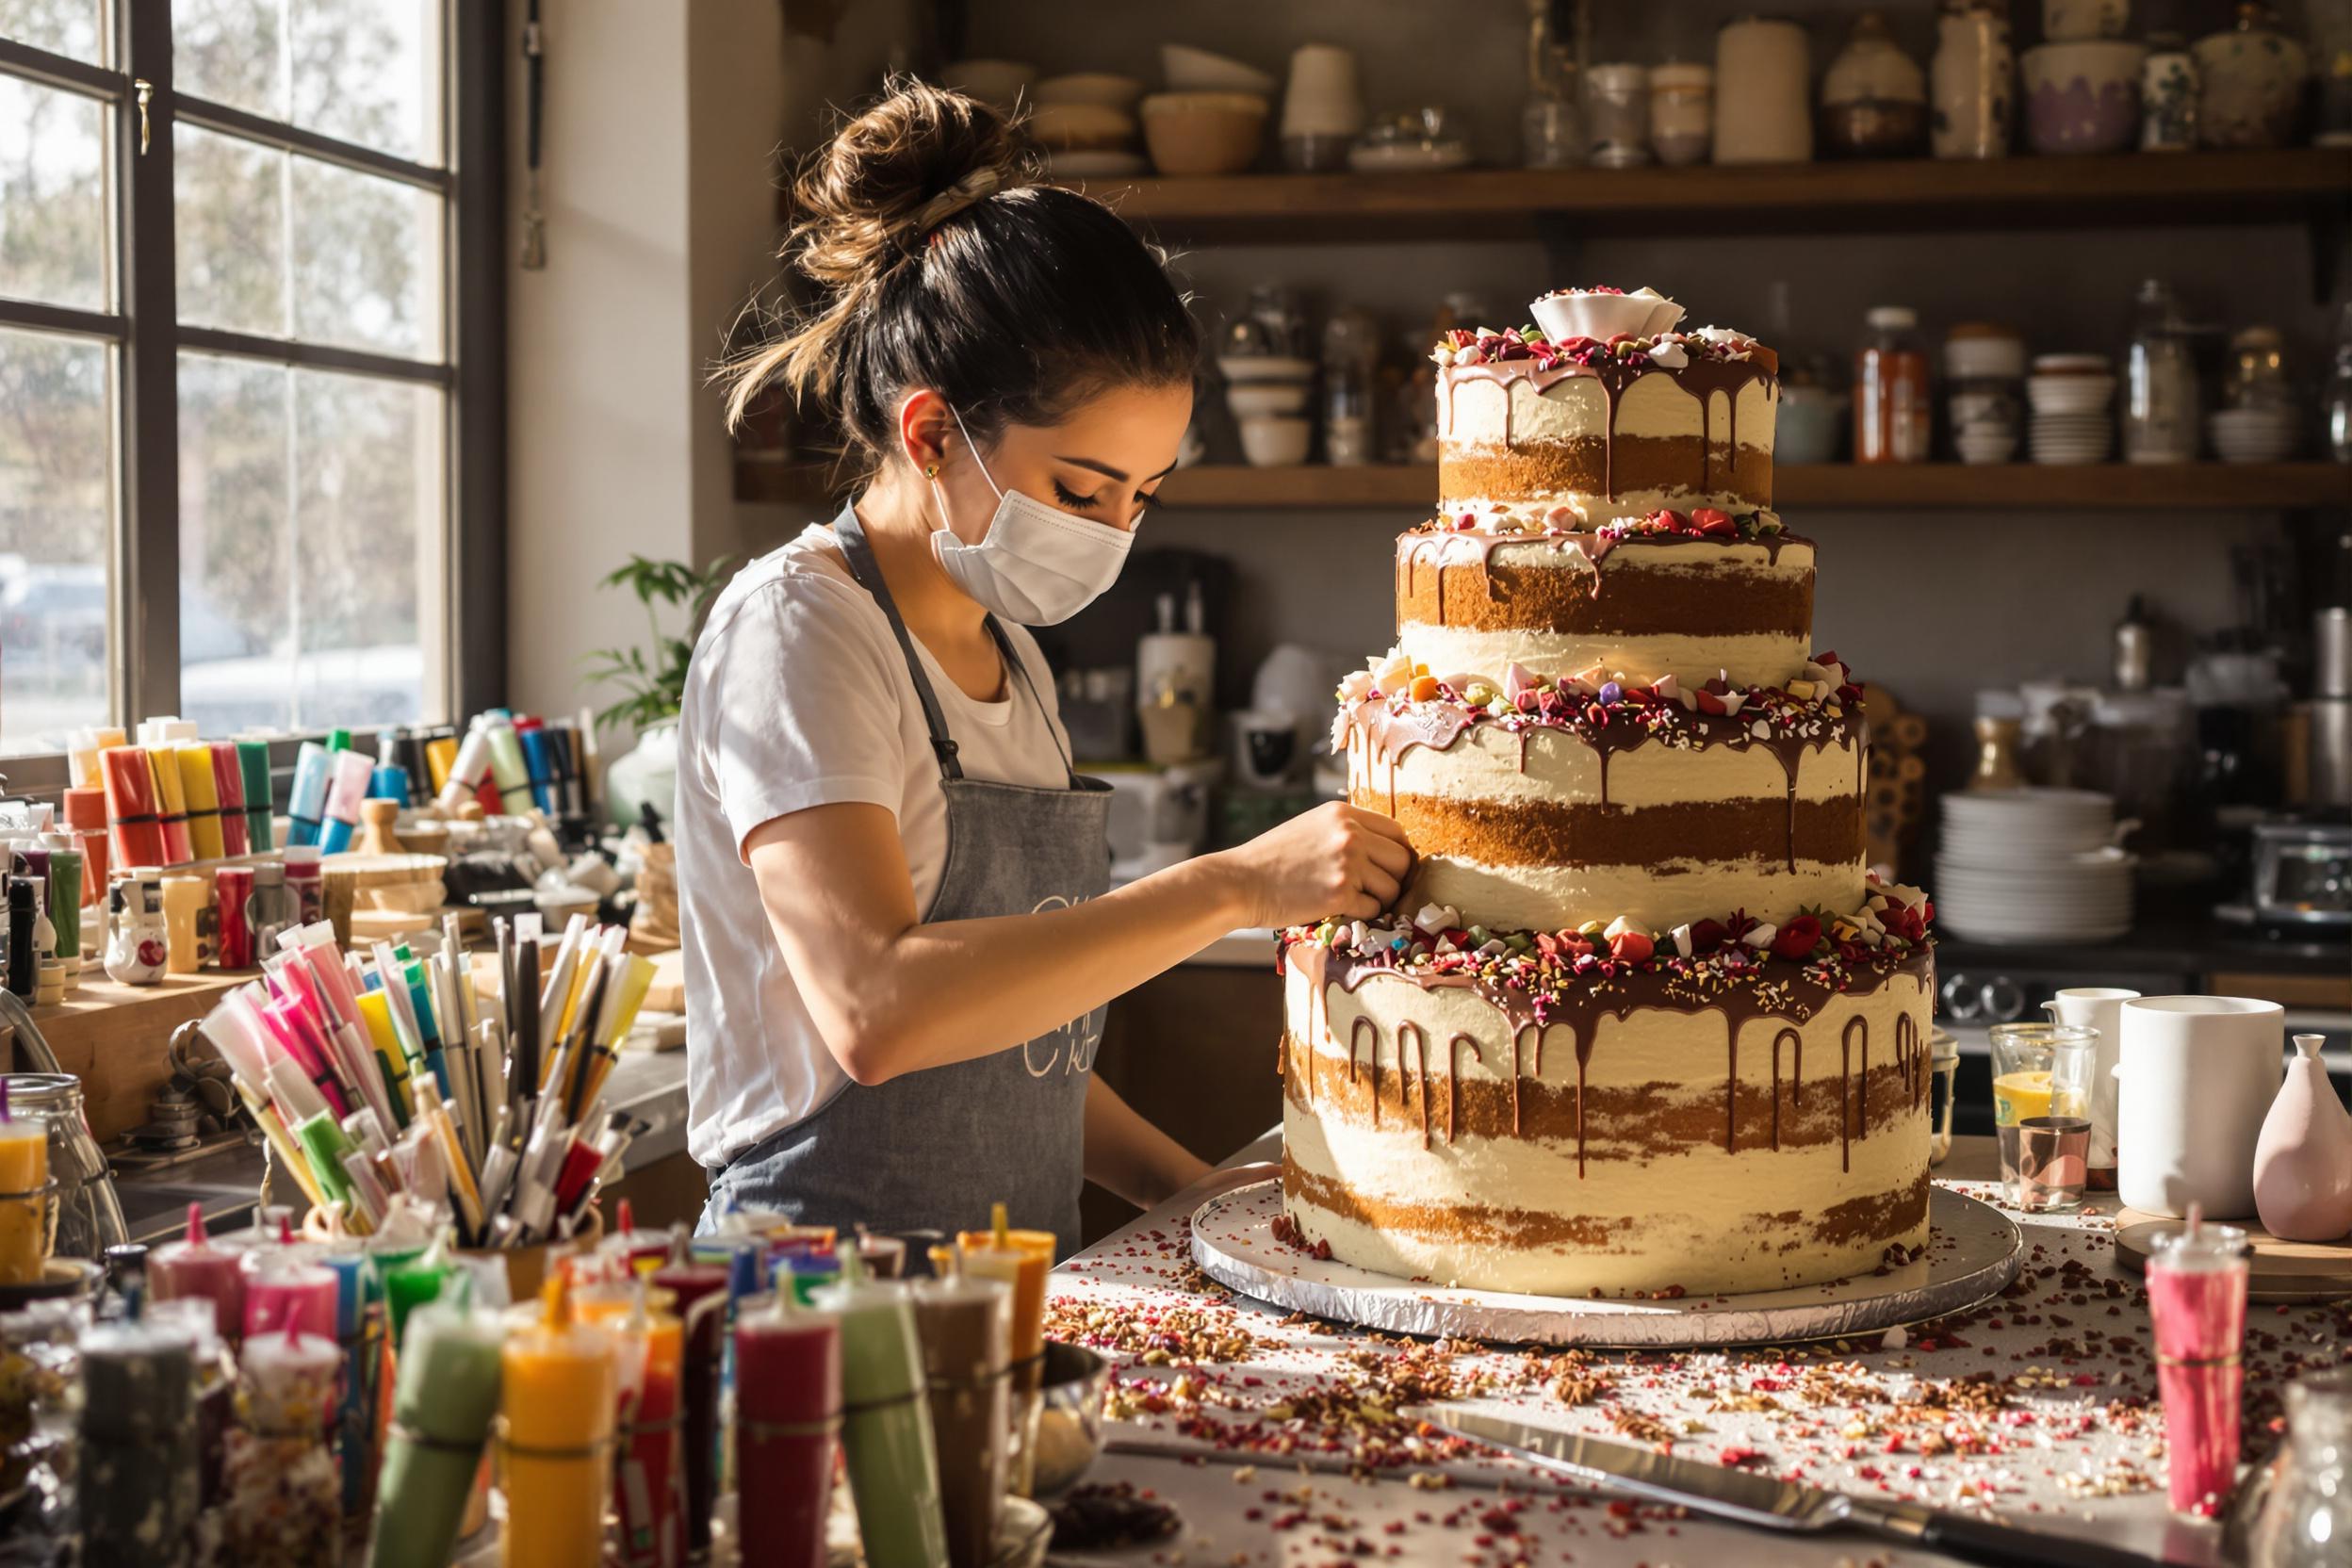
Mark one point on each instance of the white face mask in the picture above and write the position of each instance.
(1038, 565)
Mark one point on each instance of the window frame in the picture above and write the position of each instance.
(146, 338)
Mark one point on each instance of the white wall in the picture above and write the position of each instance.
(659, 124)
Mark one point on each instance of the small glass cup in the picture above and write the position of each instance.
(1944, 1067)
(2042, 1112)
(2308, 1512)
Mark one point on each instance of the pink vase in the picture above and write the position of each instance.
(2303, 1161)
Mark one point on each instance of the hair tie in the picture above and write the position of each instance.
(954, 199)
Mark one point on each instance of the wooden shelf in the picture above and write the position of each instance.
(2100, 486)
(2311, 184)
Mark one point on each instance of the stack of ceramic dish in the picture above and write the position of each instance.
(2259, 435)
(1086, 125)
(1212, 118)
(1268, 396)
(2031, 866)
(2072, 396)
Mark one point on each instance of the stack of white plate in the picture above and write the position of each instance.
(2031, 866)
(2071, 395)
(2253, 434)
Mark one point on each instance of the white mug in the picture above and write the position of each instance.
(2196, 1077)
(2099, 1008)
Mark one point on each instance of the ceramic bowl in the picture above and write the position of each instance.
(1191, 70)
(1260, 399)
(1273, 441)
(1104, 89)
(1204, 133)
(1069, 1424)
(1002, 83)
(1080, 127)
(2083, 97)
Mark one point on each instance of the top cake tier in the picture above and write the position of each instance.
(1580, 425)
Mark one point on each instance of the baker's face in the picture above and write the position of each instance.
(1103, 462)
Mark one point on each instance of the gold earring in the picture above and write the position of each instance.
(930, 470)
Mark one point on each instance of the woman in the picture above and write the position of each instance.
(898, 937)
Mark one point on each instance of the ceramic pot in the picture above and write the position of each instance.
(2071, 21)
(2195, 1081)
(2303, 1160)
(1808, 424)
(2169, 101)
(2099, 1008)
(2083, 97)
(1873, 95)
(2250, 84)
(1973, 81)
(1762, 111)
(646, 772)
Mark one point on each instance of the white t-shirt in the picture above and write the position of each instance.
(798, 695)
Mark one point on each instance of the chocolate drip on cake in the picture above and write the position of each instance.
(1701, 379)
(1796, 1076)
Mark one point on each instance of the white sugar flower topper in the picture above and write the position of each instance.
(1568, 313)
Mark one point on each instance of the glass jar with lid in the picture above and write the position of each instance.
(1984, 390)
(1617, 115)
(1890, 406)
(85, 1215)
(1682, 112)
(2258, 370)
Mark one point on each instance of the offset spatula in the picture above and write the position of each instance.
(1777, 1505)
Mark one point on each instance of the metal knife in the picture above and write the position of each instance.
(1766, 1503)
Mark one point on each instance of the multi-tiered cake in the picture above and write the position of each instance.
(1643, 1022)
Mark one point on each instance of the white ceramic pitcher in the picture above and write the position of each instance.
(2196, 1078)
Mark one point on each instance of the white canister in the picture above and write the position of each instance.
(2099, 1008)
(2074, 21)
(1763, 112)
(1322, 97)
(1972, 83)
(1682, 112)
(2196, 1078)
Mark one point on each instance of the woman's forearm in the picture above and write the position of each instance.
(955, 991)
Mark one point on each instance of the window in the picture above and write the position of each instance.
(237, 261)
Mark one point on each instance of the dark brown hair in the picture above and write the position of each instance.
(942, 265)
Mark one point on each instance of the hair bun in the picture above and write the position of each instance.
(903, 167)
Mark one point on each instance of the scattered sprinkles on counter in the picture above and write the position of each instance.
(2040, 1402)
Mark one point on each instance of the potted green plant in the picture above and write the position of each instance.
(652, 680)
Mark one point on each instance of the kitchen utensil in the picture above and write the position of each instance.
(1763, 113)
(2303, 1159)
(1266, 749)
(2083, 96)
(1105, 87)
(2100, 1009)
(2331, 652)
(1276, 441)
(2196, 1077)
(1204, 133)
(1766, 1502)
(1190, 70)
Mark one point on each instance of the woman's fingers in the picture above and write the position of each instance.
(1380, 884)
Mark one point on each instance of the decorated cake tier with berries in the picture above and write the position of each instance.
(1570, 1070)
(1602, 407)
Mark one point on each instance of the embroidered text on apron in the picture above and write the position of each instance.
(931, 1149)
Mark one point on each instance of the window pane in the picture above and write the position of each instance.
(228, 217)
(57, 501)
(73, 27)
(53, 195)
(230, 51)
(311, 558)
(370, 72)
(367, 262)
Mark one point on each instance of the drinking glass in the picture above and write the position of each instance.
(2307, 1517)
(2196, 1280)
(2042, 1112)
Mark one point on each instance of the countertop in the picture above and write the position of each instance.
(2039, 1407)
(650, 1086)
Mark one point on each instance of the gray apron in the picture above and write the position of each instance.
(930, 1150)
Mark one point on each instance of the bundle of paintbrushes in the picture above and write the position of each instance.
(385, 1080)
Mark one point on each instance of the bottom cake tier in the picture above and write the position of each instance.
(1658, 1133)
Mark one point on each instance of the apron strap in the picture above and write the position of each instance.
(858, 553)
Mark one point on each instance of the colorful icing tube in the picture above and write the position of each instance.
(467, 769)
(163, 767)
(347, 787)
(202, 797)
(228, 786)
(306, 803)
(131, 813)
(252, 760)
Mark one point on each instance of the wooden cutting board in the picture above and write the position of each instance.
(2278, 1270)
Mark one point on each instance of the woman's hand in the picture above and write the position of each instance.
(1336, 859)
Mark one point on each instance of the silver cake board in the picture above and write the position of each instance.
(1972, 1253)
